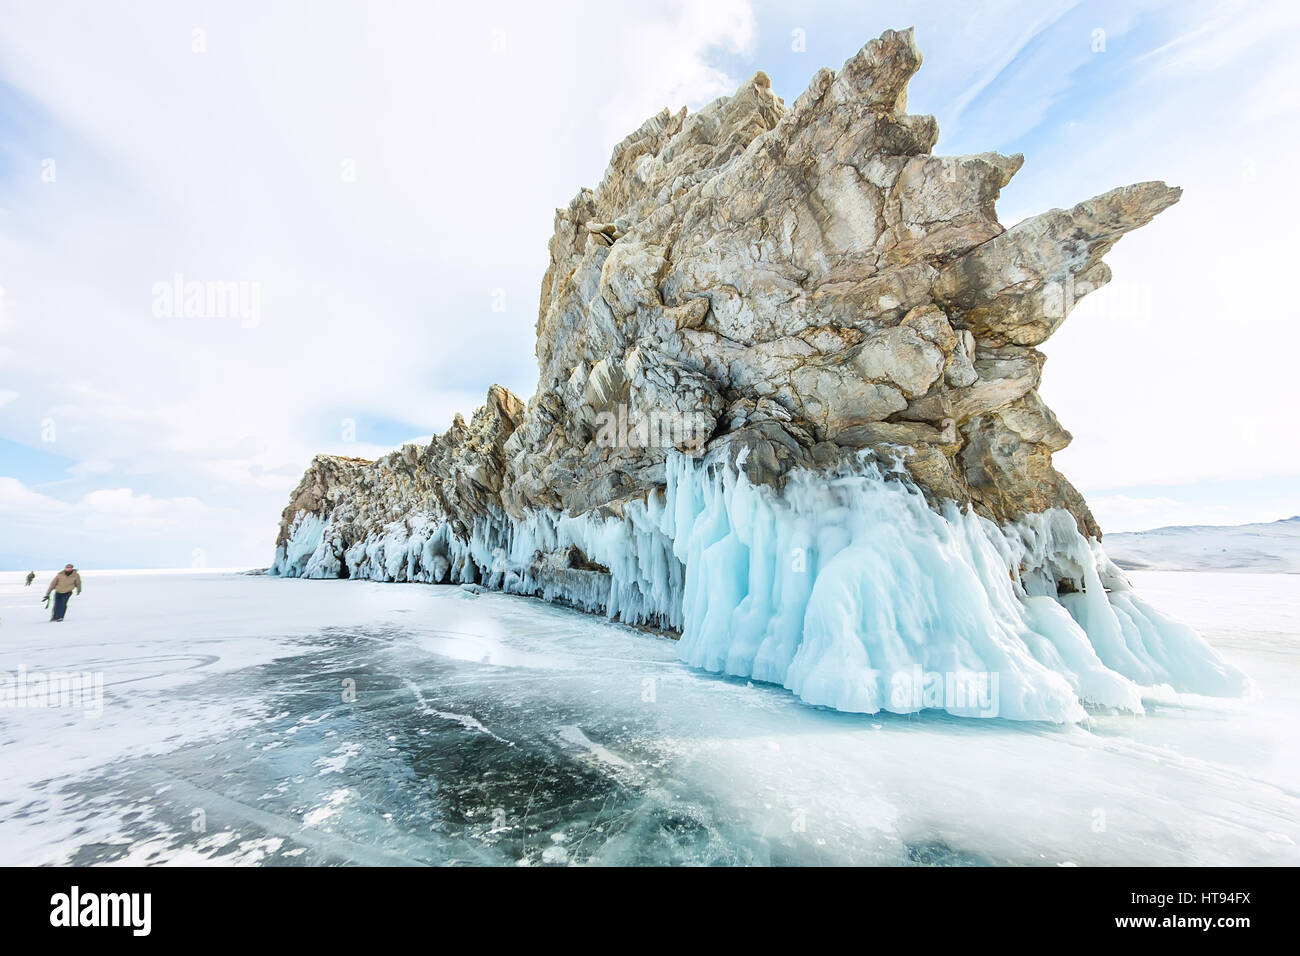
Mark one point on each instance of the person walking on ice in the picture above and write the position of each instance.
(62, 586)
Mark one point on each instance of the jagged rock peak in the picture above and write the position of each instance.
(806, 281)
(770, 324)
(802, 283)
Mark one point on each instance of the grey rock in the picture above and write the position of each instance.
(781, 286)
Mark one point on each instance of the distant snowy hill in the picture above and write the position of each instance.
(1274, 546)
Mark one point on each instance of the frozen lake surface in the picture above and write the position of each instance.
(488, 729)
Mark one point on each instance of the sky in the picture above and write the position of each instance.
(372, 187)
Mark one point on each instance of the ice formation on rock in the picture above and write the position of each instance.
(787, 407)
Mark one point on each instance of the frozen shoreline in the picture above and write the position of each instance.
(852, 591)
(1272, 546)
(490, 729)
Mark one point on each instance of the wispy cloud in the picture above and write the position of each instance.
(384, 175)
(1008, 53)
(387, 175)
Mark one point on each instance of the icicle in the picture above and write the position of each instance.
(850, 590)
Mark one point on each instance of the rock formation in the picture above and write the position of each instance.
(757, 296)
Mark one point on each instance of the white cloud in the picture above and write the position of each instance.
(1118, 513)
(1180, 370)
(376, 290)
(1126, 513)
(15, 496)
(106, 504)
(91, 467)
(122, 508)
(1231, 31)
(109, 527)
(1008, 49)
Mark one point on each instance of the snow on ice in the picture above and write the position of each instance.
(488, 728)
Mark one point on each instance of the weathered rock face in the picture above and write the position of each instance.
(763, 291)
(805, 282)
(456, 477)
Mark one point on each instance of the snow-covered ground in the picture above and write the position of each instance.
(1268, 546)
(248, 719)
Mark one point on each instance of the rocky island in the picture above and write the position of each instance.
(787, 408)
